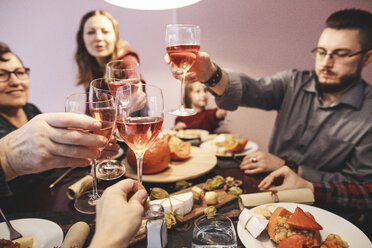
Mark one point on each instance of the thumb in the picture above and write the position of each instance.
(167, 59)
(140, 196)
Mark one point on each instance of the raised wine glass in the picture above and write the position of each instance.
(183, 45)
(118, 74)
(108, 169)
(139, 120)
(102, 109)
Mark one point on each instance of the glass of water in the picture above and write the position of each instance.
(217, 231)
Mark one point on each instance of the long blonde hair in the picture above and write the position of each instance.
(88, 67)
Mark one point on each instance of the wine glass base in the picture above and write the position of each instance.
(182, 112)
(110, 170)
(84, 204)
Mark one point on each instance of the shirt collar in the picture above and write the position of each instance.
(353, 97)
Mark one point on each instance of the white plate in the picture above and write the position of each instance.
(330, 222)
(46, 233)
(192, 133)
(249, 148)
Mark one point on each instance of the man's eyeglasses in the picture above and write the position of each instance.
(338, 54)
(20, 73)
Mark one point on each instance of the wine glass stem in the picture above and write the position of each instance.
(183, 90)
(139, 157)
(108, 162)
(95, 196)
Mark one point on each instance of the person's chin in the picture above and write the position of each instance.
(328, 80)
(101, 54)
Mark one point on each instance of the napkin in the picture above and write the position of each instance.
(304, 195)
(76, 235)
(75, 190)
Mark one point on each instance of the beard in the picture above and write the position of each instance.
(345, 82)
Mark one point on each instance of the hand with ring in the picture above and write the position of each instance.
(258, 162)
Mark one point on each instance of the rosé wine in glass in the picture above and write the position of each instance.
(183, 45)
(139, 118)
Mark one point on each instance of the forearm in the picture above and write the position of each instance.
(314, 175)
(105, 242)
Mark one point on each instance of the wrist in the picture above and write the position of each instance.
(215, 78)
(9, 172)
(291, 164)
(104, 242)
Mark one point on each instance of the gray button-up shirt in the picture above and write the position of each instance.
(332, 143)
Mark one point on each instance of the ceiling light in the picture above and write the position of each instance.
(152, 4)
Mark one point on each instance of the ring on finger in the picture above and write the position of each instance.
(254, 160)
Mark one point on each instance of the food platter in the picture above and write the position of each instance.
(249, 148)
(200, 162)
(46, 233)
(187, 134)
(198, 209)
(330, 222)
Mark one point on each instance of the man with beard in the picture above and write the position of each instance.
(322, 137)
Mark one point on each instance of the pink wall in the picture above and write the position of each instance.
(252, 36)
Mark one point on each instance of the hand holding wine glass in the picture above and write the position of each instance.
(183, 45)
(139, 118)
(99, 89)
(102, 109)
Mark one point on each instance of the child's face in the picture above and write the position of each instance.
(198, 96)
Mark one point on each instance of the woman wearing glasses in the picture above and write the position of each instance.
(15, 111)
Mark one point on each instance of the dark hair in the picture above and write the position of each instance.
(4, 48)
(88, 68)
(353, 19)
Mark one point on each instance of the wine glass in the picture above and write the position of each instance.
(139, 117)
(102, 109)
(217, 231)
(183, 45)
(118, 74)
(108, 169)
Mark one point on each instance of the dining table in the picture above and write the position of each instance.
(53, 204)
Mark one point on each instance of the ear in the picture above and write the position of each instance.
(367, 58)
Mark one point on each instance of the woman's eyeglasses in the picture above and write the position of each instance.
(20, 73)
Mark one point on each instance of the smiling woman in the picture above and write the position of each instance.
(14, 92)
(98, 42)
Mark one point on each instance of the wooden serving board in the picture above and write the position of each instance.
(200, 162)
(198, 209)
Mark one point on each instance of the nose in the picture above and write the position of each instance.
(99, 35)
(13, 80)
(328, 60)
